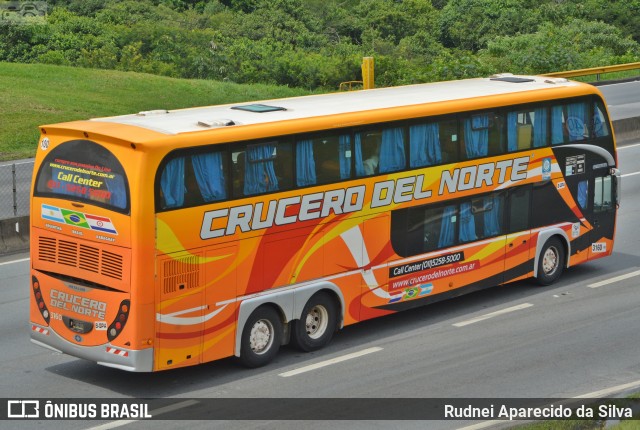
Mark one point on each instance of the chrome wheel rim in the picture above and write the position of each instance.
(261, 336)
(317, 321)
(550, 261)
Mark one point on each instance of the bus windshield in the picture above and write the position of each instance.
(85, 171)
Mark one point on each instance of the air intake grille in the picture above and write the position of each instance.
(181, 274)
(83, 257)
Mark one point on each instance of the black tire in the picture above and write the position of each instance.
(551, 262)
(317, 323)
(261, 337)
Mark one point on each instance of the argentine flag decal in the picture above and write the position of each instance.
(52, 213)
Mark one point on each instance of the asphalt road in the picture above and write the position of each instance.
(622, 99)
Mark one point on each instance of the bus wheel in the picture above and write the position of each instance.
(550, 262)
(317, 323)
(261, 337)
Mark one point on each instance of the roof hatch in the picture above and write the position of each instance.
(258, 108)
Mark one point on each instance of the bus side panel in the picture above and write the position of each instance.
(221, 312)
(420, 279)
(179, 311)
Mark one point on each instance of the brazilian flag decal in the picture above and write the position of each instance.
(76, 219)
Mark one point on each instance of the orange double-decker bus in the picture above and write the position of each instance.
(171, 238)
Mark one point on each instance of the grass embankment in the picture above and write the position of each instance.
(36, 94)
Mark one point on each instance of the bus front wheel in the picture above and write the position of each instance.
(261, 337)
(317, 323)
(550, 262)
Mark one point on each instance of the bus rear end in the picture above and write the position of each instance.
(81, 259)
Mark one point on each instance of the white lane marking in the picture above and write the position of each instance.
(627, 146)
(482, 425)
(629, 174)
(616, 279)
(159, 411)
(593, 395)
(15, 261)
(609, 391)
(330, 362)
(493, 314)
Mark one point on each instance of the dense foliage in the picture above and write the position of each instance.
(320, 43)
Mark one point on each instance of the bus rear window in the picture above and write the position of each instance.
(85, 171)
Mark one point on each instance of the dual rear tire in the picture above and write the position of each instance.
(262, 333)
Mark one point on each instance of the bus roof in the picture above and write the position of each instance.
(315, 106)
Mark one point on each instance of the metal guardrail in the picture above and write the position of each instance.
(15, 182)
(594, 71)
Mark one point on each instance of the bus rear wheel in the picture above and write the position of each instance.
(317, 323)
(550, 262)
(261, 337)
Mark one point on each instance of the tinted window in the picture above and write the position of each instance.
(261, 168)
(82, 170)
(519, 208)
(193, 179)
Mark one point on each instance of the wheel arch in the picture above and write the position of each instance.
(543, 237)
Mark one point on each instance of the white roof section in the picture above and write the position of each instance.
(207, 118)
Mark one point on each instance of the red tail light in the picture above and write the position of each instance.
(37, 294)
(120, 320)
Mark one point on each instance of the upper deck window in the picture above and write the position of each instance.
(82, 170)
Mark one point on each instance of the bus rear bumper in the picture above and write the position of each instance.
(105, 355)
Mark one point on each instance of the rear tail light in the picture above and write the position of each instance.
(120, 320)
(37, 294)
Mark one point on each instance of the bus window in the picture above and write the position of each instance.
(380, 151)
(84, 171)
(432, 143)
(482, 135)
(261, 168)
(599, 123)
(569, 123)
(519, 209)
(602, 200)
(322, 160)
(481, 218)
(190, 180)
(526, 129)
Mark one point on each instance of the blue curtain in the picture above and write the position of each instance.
(210, 176)
(358, 155)
(540, 127)
(512, 131)
(447, 227)
(344, 147)
(557, 135)
(576, 119)
(305, 163)
(492, 217)
(118, 191)
(172, 183)
(424, 145)
(392, 156)
(476, 136)
(599, 127)
(467, 223)
(582, 194)
(259, 174)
